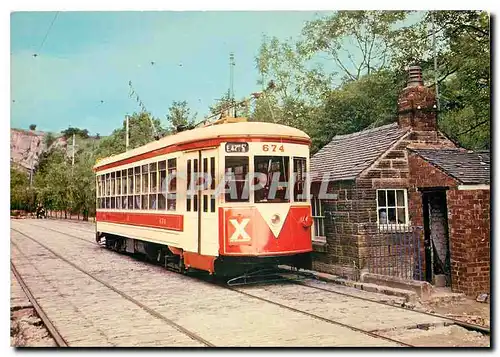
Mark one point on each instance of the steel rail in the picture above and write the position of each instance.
(60, 341)
(152, 312)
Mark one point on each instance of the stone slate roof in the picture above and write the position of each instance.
(346, 156)
(468, 167)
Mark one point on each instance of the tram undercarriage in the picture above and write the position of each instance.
(228, 267)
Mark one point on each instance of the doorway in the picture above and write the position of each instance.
(436, 238)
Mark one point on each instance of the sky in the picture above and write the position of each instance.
(81, 71)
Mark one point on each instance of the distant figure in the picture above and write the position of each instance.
(40, 211)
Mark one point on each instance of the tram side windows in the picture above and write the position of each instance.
(274, 168)
(101, 191)
(162, 199)
(299, 171)
(145, 186)
(118, 190)
(236, 173)
(108, 183)
(130, 189)
(124, 189)
(137, 187)
(172, 185)
(153, 184)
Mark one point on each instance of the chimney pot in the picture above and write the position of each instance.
(415, 76)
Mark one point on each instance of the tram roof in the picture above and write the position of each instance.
(275, 132)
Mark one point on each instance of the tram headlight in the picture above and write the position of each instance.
(275, 219)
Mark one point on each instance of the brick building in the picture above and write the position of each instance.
(373, 220)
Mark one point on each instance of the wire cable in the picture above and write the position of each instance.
(47, 33)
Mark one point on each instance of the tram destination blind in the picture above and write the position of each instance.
(236, 147)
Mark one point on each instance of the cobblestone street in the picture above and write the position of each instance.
(96, 297)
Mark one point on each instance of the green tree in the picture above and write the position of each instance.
(33, 127)
(179, 116)
(68, 133)
(359, 42)
(19, 185)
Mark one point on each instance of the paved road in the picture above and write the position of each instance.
(87, 313)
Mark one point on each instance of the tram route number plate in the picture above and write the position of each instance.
(236, 147)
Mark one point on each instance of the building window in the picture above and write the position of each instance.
(392, 207)
(319, 220)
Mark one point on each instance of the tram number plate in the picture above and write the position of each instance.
(236, 147)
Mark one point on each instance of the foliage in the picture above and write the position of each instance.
(357, 41)
(68, 133)
(33, 127)
(19, 185)
(49, 140)
(180, 117)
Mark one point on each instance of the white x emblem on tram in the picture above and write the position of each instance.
(239, 231)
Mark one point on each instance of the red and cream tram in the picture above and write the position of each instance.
(185, 200)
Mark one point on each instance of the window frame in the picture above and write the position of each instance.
(389, 226)
(318, 220)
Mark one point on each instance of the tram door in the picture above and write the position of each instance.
(209, 241)
(192, 202)
(200, 220)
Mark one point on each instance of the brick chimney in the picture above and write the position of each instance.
(417, 103)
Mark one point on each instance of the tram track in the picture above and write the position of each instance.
(53, 331)
(152, 312)
(471, 327)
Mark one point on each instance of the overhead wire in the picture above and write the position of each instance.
(47, 33)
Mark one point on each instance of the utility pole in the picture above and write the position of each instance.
(231, 82)
(73, 154)
(126, 133)
(435, 59)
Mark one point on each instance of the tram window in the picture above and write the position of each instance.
(108, 202)
(118, 202)
(145, 183)
(212, 173)
(277, 167)
(204, 168)
(137, 202)
(152, 201)
(130, 202)
(107, 185)
(236, 170)
(188, 175)
(144, 201)
(161, 201)
(118, 183)
(188, 203)
(112, 203)
(205, 203)
(171, 201)
(153, 184)
(124, 182)
(195, 203)
(172, 172)
(162, 165)
(124, 202)
(172, 185)
(299, 171)
(112, 185)
(137, 180)
(212, 204)
(130, 182)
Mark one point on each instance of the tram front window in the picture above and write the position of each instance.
(236, 171)
(276, 170)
